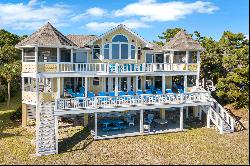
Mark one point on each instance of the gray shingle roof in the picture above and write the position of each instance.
(183, 41)
(47, 36)
(81, 40)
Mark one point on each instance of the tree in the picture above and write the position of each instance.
(9, 72)
(233, 87)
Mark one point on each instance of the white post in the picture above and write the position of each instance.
(171, 59)
(185, 84)
(181, 118)
(56, 133)
(198, 69)
(71, 55)
(163, 84)
(36, 58)
(22, 83)
(58, 87)
(128, 83)
(63, 85)
(57, 58)
(200, 112)
(208, 118)
(187, 112)
(186, 60)
(104, 84)
(96, 125)
(141, 121)
(136, 83)
(165, 61)
(116, 86)
(110, 84)
(86, 87)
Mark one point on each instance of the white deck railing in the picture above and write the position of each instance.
(131, 101)
(120, 68)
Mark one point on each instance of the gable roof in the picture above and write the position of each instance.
(47, 35)
(183, 41)
(122, 26)
(81, 40)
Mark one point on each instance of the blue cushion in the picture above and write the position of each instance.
(159, 92)
(121, 93)
(111, 93)
(139, 92)
(131, 93)
(91, 94)
(101, 94)
(169, 91)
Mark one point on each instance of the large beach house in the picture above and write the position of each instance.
(119, 83)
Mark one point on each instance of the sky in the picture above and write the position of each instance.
(148, 18)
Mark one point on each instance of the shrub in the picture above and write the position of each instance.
(17, 115)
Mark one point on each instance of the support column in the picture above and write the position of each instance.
(62, 86)
(200, 112)
(128, 83)
(136, 83)
(86, 87)
(56, 133)
(96, 125)
(171, 60)
(185, 84)
(110, 84)
(58, 87)
(162, 113)
(86, 119)
(58, 58)
(116, 86)
(181, 118)
(208, 118)
(24, 115)
(198, 69)
(71, 55)
(153, 82)
(163, 84)
(187, 112)
(104, 84)
(141, 122)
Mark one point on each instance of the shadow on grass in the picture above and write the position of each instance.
(78, 141)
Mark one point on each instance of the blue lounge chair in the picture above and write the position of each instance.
(131, 93)
(139, 92)
(159, 92)
(90, 94)
(169, 91)
(82, 89)
(122, 93)
(148, 92)
(101, 94)
(71, 93)
(180, 91)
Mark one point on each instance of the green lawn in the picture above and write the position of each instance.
(196, 146)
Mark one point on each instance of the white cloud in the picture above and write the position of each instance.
(104, 26)
(32, 15)
(91, 12)
(151, 10)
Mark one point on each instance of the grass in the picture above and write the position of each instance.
(196, 146)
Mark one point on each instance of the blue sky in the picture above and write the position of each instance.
(149, 18)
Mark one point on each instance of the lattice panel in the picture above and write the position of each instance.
(192, 67)
(28, 67)
(28, 97)
(47, 67)
(47, 96)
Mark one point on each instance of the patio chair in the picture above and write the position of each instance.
(139, 92)
(131, 93)
(90, 94)
(159, 92)
(148, 92)
(131, 121)
(81, 89)
(149, 119)
(169, 91)
(70, 92)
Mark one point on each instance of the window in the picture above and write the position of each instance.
(115, 51)
(192, 57)
(179, 57)
(65, 55)
(119, 38)
(80, 57)
(139, 53)
(47, 55)
(96, 81)
(96, 50)
(106, 51)
(29, 55)
(124, 51)
(149, 58)
(132, 52)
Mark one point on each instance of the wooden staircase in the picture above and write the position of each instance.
(46, 141)
(219, 116)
